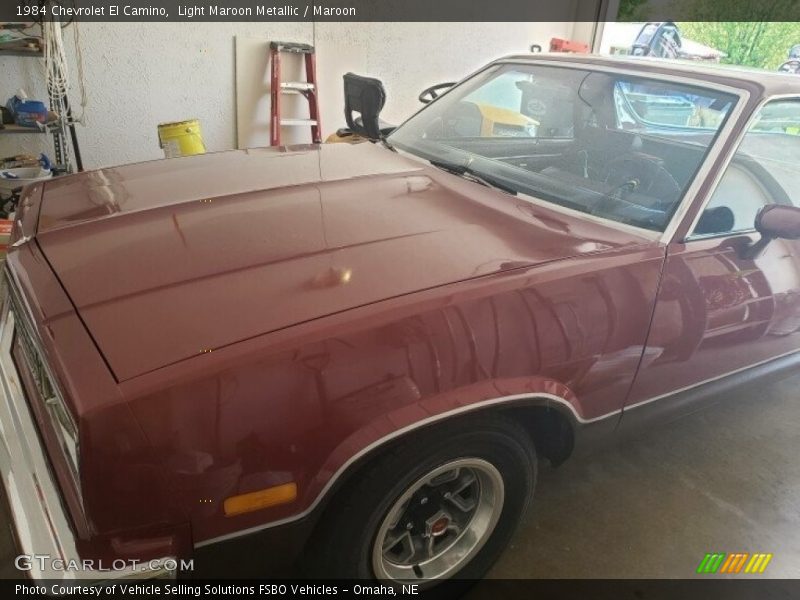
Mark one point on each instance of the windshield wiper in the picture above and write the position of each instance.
(387, 144)
(467, 173)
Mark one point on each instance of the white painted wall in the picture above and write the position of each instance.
(407, 57)
(142, 74)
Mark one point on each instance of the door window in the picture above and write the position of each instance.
(764, 170)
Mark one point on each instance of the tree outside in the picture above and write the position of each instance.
(754, 44)
(755, 33)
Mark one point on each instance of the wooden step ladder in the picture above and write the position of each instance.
(307, 89)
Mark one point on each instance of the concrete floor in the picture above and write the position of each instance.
(726, 479)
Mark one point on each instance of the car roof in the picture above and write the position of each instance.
(770, 83)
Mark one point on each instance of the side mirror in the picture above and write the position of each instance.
(775, 221)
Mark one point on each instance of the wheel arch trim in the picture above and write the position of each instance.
(532, 399)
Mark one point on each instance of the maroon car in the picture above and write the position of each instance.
(359, 352)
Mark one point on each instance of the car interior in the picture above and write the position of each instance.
(592, 149)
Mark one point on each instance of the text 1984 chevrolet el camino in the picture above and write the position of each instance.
(359, 351)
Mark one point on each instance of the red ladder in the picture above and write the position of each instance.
(307, 89)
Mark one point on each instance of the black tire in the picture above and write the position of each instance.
(343, 542)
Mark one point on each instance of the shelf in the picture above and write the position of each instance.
(20, 52)
(21, 46)
(16, 129)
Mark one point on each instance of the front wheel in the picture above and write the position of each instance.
(443, 504)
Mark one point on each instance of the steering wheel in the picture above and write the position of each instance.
(641, 174)
(429, 94)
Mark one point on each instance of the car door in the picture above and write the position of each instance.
(719, 310)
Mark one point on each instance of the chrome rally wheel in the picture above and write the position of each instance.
(440, 522)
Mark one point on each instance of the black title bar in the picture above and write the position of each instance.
(399, 10)
(293, 10)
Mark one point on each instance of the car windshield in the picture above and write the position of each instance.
(615, 146)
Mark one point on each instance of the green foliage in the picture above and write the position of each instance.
(632, 10)
(755, 33)
(750, 43)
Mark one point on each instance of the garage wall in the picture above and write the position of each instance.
(407, 57)
(140, 74)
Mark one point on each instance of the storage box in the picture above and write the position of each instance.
(28, 113)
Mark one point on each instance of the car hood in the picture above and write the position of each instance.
(169, 259)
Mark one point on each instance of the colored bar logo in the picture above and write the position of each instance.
(737, 562)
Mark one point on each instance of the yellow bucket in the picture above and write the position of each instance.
(182, 138)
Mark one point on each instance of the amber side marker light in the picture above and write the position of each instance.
(244, 503)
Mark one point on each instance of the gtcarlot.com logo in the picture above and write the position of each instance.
(45, 562)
